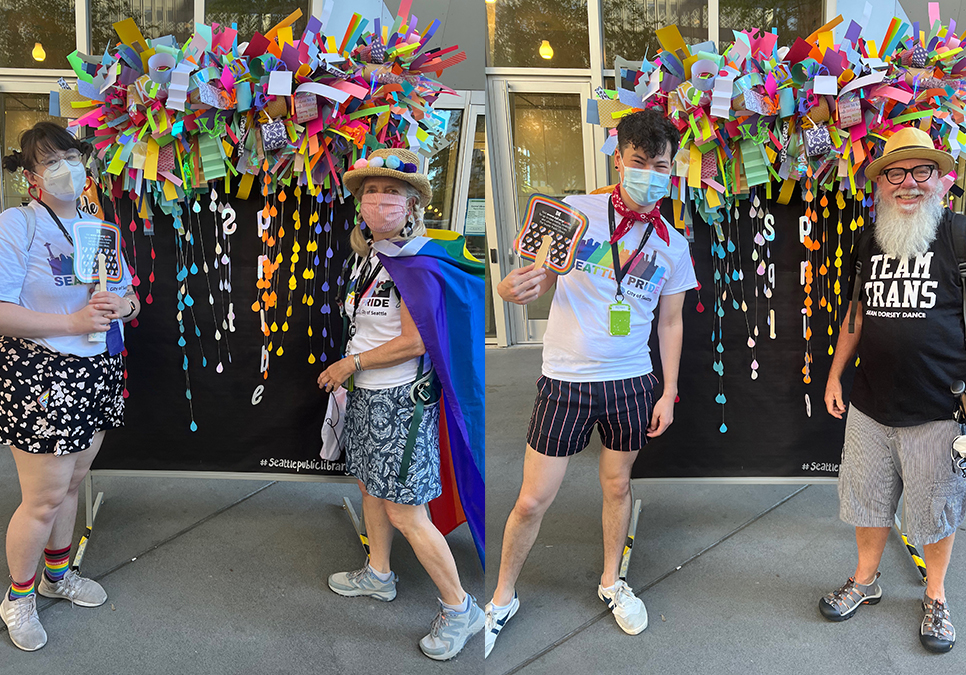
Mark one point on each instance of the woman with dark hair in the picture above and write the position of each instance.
(61, 388)
(391, 439)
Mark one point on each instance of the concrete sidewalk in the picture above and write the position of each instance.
(212, 577)
(731, 574)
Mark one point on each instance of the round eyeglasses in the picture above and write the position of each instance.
(920, 173)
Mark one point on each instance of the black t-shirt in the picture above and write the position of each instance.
(912, 343)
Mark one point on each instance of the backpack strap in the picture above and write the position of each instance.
(862, 248)
(31, 218)
(958, 231)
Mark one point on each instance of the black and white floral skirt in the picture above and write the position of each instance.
(54, 403)
(374, 438)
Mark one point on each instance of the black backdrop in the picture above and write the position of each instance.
(769, 432)
(234, 434)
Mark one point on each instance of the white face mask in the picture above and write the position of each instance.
(64, 182)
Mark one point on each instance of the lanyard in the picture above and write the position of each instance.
(59, 224)
(367, 277)
(619, 271)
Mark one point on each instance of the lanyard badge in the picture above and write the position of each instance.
(619, 319)
(619, 314)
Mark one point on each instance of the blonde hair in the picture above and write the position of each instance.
(362, 246)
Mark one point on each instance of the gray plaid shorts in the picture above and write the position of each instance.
(880, 463)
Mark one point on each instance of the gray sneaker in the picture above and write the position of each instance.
(22, 621)
(841, 604)
(363, 582)
(451, 630)
(72, 586)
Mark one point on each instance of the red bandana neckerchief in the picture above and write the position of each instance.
(628, 218)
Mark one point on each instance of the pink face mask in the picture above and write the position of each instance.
(383, 212)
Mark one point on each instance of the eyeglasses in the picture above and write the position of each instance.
(920, 173)
(52, 162)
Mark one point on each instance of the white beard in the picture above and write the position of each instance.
(905, 234)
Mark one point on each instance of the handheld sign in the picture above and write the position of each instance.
(563, 224)
(93, 237)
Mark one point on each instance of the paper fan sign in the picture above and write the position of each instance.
(551, 233)
(90, 238)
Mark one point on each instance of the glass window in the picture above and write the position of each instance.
(20, 112)
(629, 26)
(474, 223)
(537, 34)
(443, 174)
(255, 15)
(792, 18)
(548, 155)
(149, 17)
(36, 33)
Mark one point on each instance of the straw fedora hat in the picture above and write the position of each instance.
(910, 143)
(397, 163)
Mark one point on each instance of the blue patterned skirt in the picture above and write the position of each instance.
(374, 437)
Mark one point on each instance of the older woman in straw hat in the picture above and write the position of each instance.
(397, 466)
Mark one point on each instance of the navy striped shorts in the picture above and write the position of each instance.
(565, 413)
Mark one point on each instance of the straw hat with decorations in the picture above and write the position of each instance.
(910, 143)
(397, 163)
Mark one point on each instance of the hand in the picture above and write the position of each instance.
(522, 286)
(88, 320)
(833, 398)
(662, 417)
(333, 376)
(112, 303)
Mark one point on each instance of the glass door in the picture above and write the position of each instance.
(543, 145)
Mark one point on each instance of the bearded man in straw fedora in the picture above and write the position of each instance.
(905, 322)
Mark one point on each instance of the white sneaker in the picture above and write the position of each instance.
(22, 621)
(628, 609)
(496, 620)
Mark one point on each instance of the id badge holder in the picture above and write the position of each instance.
(619, 322)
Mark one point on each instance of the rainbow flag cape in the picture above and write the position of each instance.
(442, 286)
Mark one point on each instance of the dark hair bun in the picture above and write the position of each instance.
(13, 161)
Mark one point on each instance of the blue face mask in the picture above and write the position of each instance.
(646, 186)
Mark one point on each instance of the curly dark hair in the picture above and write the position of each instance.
(648, 130)
(42, 139)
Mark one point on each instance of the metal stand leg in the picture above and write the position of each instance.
(916, 558)
(629, 544)
(92, 506)
(357, 523)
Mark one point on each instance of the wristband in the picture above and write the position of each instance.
(358, 362)
(131, 313)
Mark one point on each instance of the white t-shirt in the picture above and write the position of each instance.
(42, 278)
(578, 346)
(377, 322)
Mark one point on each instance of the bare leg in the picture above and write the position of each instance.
(542, 476)
(615, 482)
(430, 548)
(871, 542)
(44, 482)
(378, 531)
(62, 532)
(937, 558)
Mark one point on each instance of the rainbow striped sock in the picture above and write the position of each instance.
(18, 591)
(55, 563)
